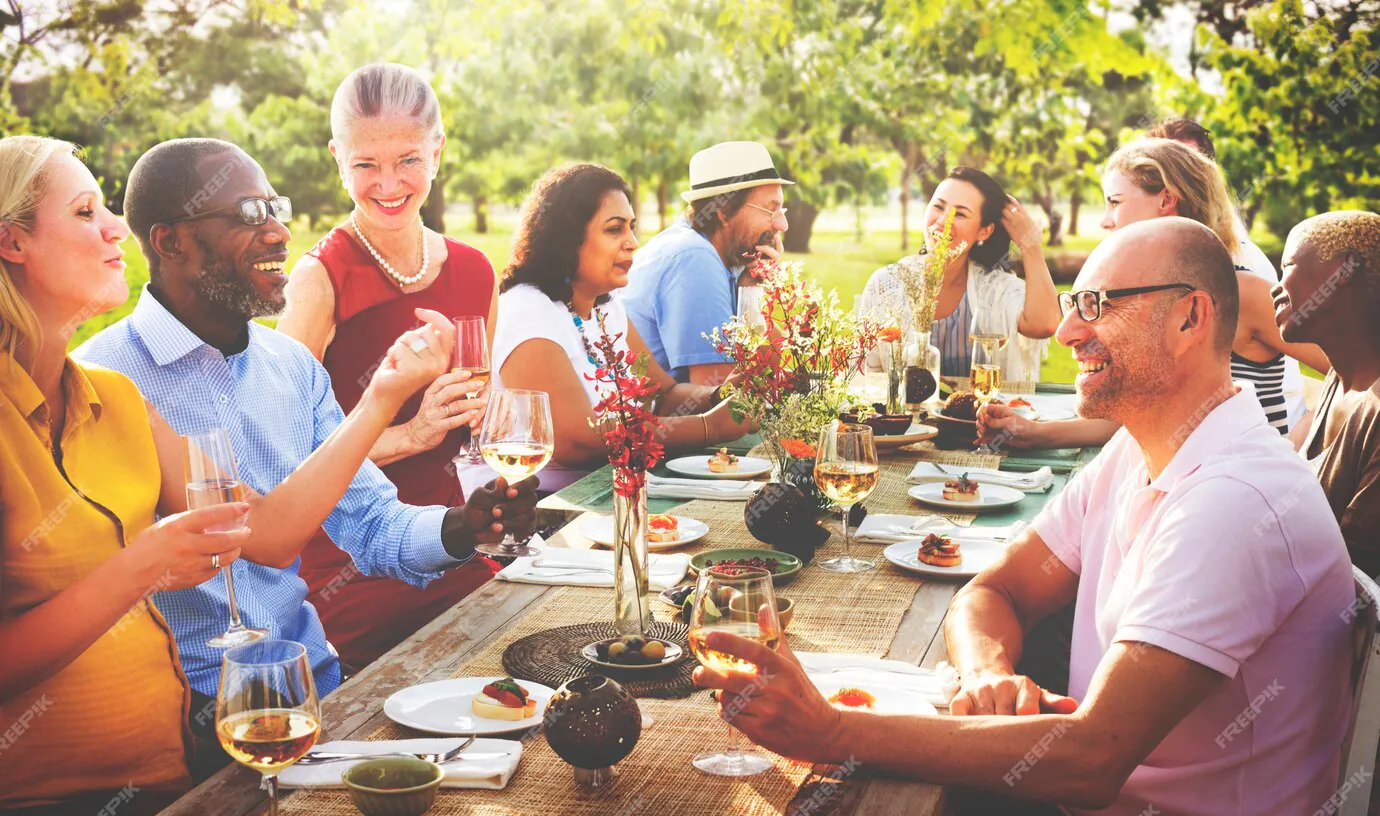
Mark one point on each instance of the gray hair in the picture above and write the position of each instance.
(385, 89)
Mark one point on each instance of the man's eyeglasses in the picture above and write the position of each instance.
(773, 213)
(251, 211)
(1089, 301)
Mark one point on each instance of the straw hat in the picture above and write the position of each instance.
(730, 166)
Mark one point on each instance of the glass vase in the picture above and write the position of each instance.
(631, 611)
(894, 363)
(922, 372)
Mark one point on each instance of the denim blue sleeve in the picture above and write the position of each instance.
(383, 535)
(692, 299)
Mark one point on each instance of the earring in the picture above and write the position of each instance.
(979, 243)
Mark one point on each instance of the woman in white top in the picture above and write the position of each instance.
(573, 248)
(977, 280)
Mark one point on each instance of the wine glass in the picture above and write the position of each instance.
(267, 714)
(740, 601)
(988, 341)
(846, 471)
(213, 478)
(517, 442)
(472, 355)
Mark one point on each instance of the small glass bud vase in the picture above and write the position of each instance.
(631, 610)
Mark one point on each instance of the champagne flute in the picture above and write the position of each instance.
(517, 441)
(213, 478)
(267, 713)
(846, 471)
(472, 355)
(739, 601)
(988, 341)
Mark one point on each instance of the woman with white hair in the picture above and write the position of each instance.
(348, 297)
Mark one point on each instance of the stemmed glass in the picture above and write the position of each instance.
(988, 341)
(472, 355)
(846, 471)
(739, 601)
(267, 714)
(213, 478)
(517, 441)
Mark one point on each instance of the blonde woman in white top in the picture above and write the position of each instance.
(573, 249)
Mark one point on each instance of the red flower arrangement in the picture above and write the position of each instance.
(623, 415)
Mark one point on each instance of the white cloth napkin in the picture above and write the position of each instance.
(484, 771)
(1037, 481)
(887, 528)
(560, 567)
(665, 487)
(938, 686)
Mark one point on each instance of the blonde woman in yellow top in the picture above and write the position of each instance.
(92, 700)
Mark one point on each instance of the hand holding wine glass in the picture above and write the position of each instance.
(267, 712)
(176, 552)
(846, 471)
(517, 441)
(213, 478)
(738, 601)
(414, 360)
(988, 341)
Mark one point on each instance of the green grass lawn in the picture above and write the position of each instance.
(837, 261)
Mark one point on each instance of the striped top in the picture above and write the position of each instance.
(1268, 379)
(950, 336)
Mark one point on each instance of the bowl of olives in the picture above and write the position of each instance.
(632, 652)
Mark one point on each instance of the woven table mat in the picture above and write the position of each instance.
(553, 656)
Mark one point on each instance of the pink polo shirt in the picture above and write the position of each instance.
(1231, 559)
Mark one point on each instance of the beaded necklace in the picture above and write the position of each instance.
(580, 328)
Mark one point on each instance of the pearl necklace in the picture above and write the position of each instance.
(403, 280)
(580, 328)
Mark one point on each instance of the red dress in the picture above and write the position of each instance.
(366, 616)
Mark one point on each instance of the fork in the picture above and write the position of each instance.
(321, 757)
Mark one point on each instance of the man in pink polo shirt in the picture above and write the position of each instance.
(1210, 667)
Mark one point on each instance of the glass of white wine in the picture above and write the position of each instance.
(517, 441)
(213, 478)
(739, 601)
(988, 341)
(267, 712)
(472, 355)
(846, 471)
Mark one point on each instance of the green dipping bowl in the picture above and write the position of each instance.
(393, 786)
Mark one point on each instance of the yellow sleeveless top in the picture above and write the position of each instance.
(116, 715)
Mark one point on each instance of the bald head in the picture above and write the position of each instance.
(1174, 250)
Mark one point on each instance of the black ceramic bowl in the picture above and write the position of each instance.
(954, 433)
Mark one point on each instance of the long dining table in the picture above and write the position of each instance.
(887, 612)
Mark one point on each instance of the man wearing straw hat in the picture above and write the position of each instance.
(684, 283)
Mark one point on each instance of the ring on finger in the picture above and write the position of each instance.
(215, 560)
(418, 345)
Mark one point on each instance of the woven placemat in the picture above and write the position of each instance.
(552, 656)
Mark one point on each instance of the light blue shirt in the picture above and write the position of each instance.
(679, 291)
(275, 400)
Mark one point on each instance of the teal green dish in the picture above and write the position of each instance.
(393, 786)
(787, 565)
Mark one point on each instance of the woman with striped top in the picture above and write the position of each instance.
(977, 281)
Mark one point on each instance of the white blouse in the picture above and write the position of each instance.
(526, 313)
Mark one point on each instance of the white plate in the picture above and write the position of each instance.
(1052, 409)
(599, 529)
(673, 653)
(978, 555)
(890, 698)
(443, 707)
(989, 497)
(748, 467)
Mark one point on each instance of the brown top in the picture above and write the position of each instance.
(1344, 448)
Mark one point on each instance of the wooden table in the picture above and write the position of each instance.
(434, 653)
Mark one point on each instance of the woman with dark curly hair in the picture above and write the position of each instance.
(574, 247)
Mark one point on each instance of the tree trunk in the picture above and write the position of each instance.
(905, 204)
(1075, 201)
(663, 195)
(803, 215)
(636, 200)
(1046, 201)
(481, 214)
(434, 209)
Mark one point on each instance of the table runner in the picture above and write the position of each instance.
(858, 613)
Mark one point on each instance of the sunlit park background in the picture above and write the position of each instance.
(865, 103)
